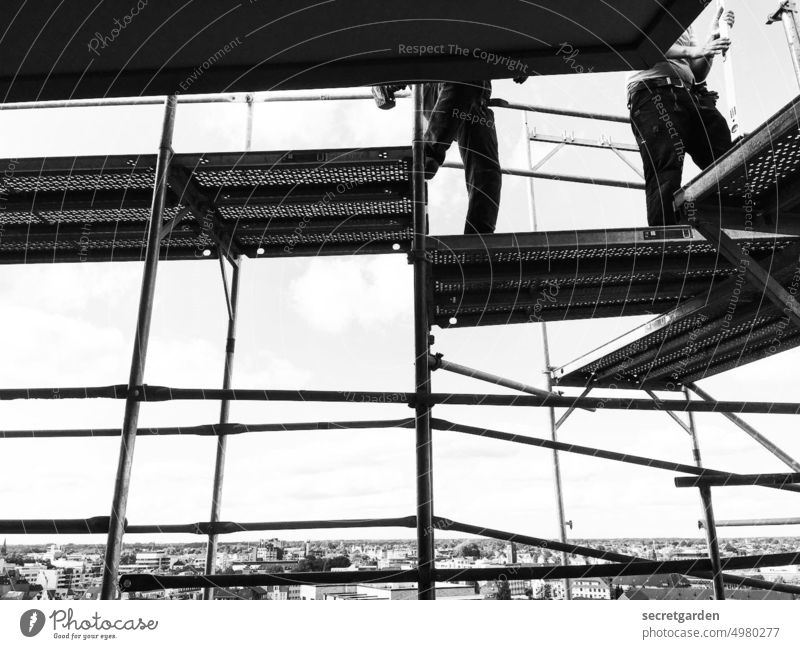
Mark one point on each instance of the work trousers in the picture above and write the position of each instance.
(670, 122)
(460, 112)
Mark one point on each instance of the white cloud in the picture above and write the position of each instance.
(335, 294)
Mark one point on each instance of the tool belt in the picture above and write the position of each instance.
(700, 90)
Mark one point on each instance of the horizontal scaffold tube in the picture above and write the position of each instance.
(95, 525)
(99, 525)
(438, 362)
(192, 99)
(162, 393)
(737, 480)
(544, 175)
(224, 527)
(103, 392)
(453, 526)
(550, 110)
(211, 430)
(443, 425)
(754, 522)
(135, 583)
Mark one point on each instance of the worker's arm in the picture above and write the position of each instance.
(693, 52)
(701, 56)
(701, 66)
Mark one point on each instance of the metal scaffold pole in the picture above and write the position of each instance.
(422, 344)
(232, 304)
(562, 522)
(787, 14)
(116, 527)
(778, 452)
(232, 300)
(248, 135)
(708, 513)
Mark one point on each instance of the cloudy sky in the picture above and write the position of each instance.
(346, 323)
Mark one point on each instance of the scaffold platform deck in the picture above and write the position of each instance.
(286, 203)
(732, 326)
(299, 44)
(756, 185)
(570, 275)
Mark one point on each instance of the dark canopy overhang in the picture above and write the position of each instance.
(55, 50)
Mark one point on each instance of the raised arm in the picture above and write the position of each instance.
(704, 55)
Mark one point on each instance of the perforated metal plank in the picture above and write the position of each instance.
(756, 185)
(235, 46)
(570, 275)
(316, 202)
(732, 326)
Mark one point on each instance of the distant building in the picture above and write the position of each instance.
(590, 588)
(517, 588)
(668, 581)
(254, 567)
(548, 589)
(396, 592)
(249, 592)
(268, 550)
(456, 563)
(511, 553)
(152, 561)
(698, 594)
(395, 564)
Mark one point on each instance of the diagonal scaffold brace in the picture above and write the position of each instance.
(116, 528)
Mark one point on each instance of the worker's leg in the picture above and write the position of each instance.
(661, 133)
(712, 135)
(477, 142)
(444, 104)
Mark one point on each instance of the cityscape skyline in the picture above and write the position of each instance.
(56, 572)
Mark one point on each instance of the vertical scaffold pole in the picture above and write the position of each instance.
(562, 521)
(224, 414)
(787, 14)
(232, 299)
(116, 526)
(708, 512)
(248, 132)
(422, 344)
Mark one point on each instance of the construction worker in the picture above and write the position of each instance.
(460, 112)
(673, 113)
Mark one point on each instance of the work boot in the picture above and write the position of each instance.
(434, 158)
(384, 95)
(431, 167)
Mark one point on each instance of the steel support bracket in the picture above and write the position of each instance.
(420, 255)
(753, 271)
(786, 6)
(168, 226)
(209, 220)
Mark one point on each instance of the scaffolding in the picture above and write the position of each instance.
(228, 207)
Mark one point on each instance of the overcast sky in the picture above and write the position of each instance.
(346, 323)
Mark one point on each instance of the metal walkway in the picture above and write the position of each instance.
(571, 275)
(755, 186)
(732, 326)
(751, 315)
(317, 202)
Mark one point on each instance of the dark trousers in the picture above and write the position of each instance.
(669, 123)
(460, 112)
